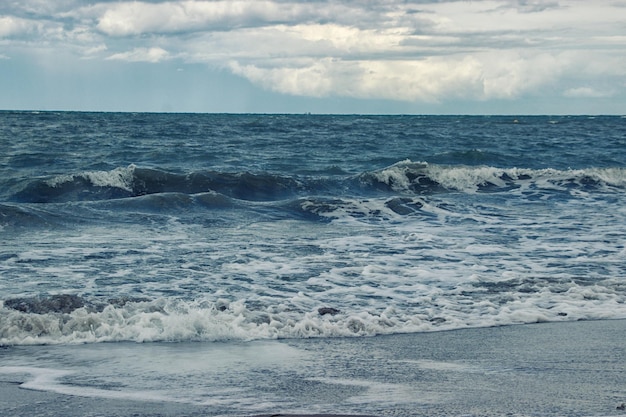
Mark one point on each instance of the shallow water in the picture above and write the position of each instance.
(551, 369)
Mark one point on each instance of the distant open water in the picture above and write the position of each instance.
(183, 227)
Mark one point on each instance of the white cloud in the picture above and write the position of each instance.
(533, 6)
(586, 92)
(124, 19)
(481, 76)
(142, 55)
(94, 50)
(15, 26)
(510, 74)
(41, 8)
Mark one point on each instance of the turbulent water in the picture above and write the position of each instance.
(184, 227)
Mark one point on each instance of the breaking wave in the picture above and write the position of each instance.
(405, 177)
(423, 178)
(65, 318)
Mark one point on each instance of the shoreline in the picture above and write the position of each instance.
(551, 369)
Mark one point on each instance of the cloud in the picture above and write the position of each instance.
(434, 52)
(124, 19)
(38, 8)
(481, 76)
(586, 92)
(534, 6)
(428, 80)
(422, 51)
(142, 55)
(11, 26)
(94, 50)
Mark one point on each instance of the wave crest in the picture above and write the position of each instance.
(424, 178)
(404, 177)
(121, 178)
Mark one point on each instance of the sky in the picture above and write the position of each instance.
(334, 56)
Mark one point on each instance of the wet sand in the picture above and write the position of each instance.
(552, 369)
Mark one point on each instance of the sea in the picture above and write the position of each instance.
(139, 230)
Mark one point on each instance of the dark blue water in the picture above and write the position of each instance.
(178, 227)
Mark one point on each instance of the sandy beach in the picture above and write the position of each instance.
(552, 369)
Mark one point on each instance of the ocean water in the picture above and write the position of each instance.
(203, 227)
(185, 227)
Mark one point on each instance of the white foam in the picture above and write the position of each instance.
(436, 309)
(121, 178)
(379, 393)
(396, 174)
(466, 179)
(43, 379)
(470, 178)
(128, 372)
(455, 261)
(444, 366)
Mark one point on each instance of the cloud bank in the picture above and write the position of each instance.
(421, 51)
